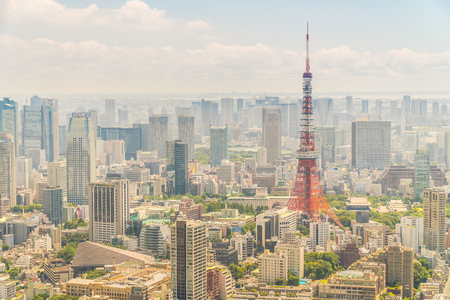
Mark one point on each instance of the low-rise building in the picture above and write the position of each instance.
(57, 270)
(272, 266)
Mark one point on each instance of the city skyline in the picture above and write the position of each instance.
(157, 47)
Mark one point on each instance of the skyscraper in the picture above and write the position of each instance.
(110, 112)
(218, 145)
(130, 135)
(327, 136)
(421, 171)
(8, 120)
(57, 176)
(227, 110)
(349, 104)
(62, 135)
(80, 159)
(188, 260)
(53, 205)
(365, 106)
(371, 144)
(40, 127)
(177, 167)
(239, 104)
(447, 149)
(271, 131)
(109, 210)
(8, 167)
(158, 134)
(323, 111)
(186, 133)
(23, 171)
(434, 227)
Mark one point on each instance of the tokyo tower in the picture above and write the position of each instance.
(307, 195)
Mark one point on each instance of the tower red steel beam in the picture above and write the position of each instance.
(307, 195)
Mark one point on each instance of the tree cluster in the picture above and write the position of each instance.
(75, 224)
(27, 208)
(239, 271)
(421, 274)
(95, 274)
(321, 265)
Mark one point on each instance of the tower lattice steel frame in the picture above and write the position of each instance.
(307, 195)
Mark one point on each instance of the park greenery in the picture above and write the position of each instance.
(202, 155)
(239, 271)
(27, 208)
(70, 246)
(321, 265)
(75, 224)
(95, 274)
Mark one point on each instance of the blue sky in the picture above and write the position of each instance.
(204, 46)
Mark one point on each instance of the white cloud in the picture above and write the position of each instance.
(44, 65)
(134, 15)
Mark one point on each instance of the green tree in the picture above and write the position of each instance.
(8, 263)
(303, 230)
(13, 273)
(420, 274)
(280, 281)
(5, 247)
(293, 280)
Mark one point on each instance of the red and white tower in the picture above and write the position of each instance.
(307, 195)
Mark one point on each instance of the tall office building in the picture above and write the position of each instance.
(435, 109)
(423, 108)
(177, 167)
(271, 133)
(407, 104)
(447, 149)
(323, 111)
(239, 104)
(188, 260)
(124, 120)
(145, 134)
(153, 236)
(110, 112)
(289, 119)
(54, 204)
(158, 134)
(227, 110)
(8, 120)
(186, 133)
(410, 231)
(93, 115)
(62, 138)
(57, 176)
(8, 167)
(40, 127)
(23, 171)
(320, 234)
(378, 107)
(80, 159)
(371, 144)
(421, 171)
(109, 210)
(218, 145)
(434, 227)
(349, 104)
(327, 137)
(130, 135)
(364, 106)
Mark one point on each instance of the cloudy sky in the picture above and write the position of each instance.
(199, 46)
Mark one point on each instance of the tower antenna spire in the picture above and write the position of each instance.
(307, 48)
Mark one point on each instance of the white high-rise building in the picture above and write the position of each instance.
(80, 159)
(272, 266)
(319, 233)
(109, 210)
(295, 257)
(271, 133)
(23, 171)
(410, 230)
(57, 175)
(8, 167)
(262, 156)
